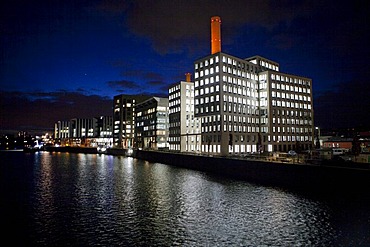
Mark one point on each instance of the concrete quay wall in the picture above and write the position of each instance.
(322, 176)
(268, 173)
(68, 149)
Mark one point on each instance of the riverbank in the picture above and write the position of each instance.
(324, 175)
(85, 150)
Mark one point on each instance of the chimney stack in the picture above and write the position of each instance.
(188, 77)
(215, 34)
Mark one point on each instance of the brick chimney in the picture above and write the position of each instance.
(188, 77)
(215, 34)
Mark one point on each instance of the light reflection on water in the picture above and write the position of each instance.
(102, 200)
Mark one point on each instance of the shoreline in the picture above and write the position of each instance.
(326, 175)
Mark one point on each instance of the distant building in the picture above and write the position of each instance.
(338, 142)
(82, 128)
(248, 105)
(151, 131)
(103, 136)
(62, 129)
(124, 119)
(103, 126)
(84, 131)
(184, 128)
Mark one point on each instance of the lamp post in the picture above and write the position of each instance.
(317, 143)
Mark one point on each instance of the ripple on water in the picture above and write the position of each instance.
(100, 200)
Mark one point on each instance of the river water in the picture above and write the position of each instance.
(62, 199)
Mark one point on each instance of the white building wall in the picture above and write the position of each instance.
(234, 99)
(184, 127)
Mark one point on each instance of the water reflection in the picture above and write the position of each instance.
(86, 199)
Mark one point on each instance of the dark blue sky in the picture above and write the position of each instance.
(65, 59)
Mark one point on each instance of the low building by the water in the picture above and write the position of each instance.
(84, 131)
(338, 142)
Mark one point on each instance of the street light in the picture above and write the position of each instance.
(317, 143)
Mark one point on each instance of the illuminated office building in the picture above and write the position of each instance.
(124, 119)
(61, 130)
(151, 129)
(184, 128)
(248, 105)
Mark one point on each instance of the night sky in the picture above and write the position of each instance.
(66, 59)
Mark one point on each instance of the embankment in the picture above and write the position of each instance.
(268, 173)
(321, 177)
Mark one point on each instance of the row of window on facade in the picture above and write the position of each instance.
(251, 80)
(236, 138)
(279, 81)
(237, 64)
(289, 91)
(227, 107)
(235, 149)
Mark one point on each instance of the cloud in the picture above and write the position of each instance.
(282, 41)
(156, 83)
(153, 76)
(132, 73)
(173, 26)
(145, 75)
(123, 84)
(40, 110)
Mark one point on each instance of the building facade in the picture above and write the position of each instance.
(61, 129)
(248, 105)
(124, 119)
(151, 131)
(84, 131)
(103, 126)
(289, 112)
(184, 127)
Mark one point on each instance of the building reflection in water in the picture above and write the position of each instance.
(102, 198)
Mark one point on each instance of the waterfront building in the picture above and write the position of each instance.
(61, 130)
(286, 111)
(103, 126)
(124, 119)
(184, 128)
(74, 132)
(84, 131)
(338, 142)
(82, 128)
(103, 137)
(248, 105)
(151, 130)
